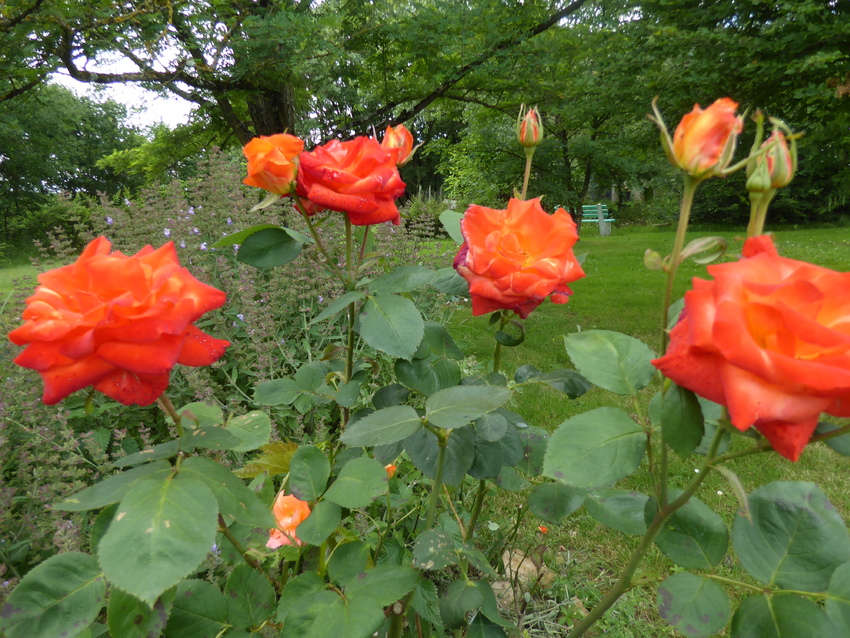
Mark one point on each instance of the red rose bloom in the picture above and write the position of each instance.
(515, 258)
(358, 178)
(769, 338)
(118, 323)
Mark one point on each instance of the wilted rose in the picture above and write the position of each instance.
(515, 258)
(289, 512)
(117, 323)
(358, 178)
(769, 338)
(272, 162)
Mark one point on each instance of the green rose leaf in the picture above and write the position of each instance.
(384, 426)
(595, 448)
(460, 597)
(694, 537)
(779, 616)
(392, 324)
(61, 596)
(622, 510)
(553, 501)
(404, 279)
(309, 471)
(838, 598)
(200, 611)
(359, 483)
(611, 360)
(348, 560)
(423, 449)
(339, 304)
(270, 247)
(794, 537)
(459, 406)
(235, 501)
(695, 605)
(681, 420)
(129, 617)
(385, 583)
(428, 376)
(321, 523)
(253, 431)
(160, 534)
(434, 549)
(250, 597)
(278, 392)
(840, 444)
(112, 489)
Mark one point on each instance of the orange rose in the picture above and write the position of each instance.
(391, 470)
(704, 141)
(398, 140)
(289, 512)
(769, 338)
(358, 178)
(515, 258)
(272, 162)
(118, 323)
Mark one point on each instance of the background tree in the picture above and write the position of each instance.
(50, 143)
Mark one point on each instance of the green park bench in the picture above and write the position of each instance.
(592, 213)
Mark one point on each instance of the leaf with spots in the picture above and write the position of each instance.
(60, 597)
(162, 531)
(250, 597)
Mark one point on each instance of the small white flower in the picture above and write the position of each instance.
(203, 245)
(719, 493)
(696, 470)
(182, 244)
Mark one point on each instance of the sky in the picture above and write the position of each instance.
(144, 107)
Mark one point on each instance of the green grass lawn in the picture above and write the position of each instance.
(620, 294)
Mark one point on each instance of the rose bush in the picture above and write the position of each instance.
(357, 177)
(272, 162)
(769, 338)
(515, 258)
(289, 511)
(117, 323)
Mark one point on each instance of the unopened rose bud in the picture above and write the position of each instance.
(781, 161)
(399, 138)
(529, 128)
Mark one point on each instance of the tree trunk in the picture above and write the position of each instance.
(272, 111)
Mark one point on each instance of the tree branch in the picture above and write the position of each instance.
(506, 43)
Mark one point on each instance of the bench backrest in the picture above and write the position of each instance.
(591, 211)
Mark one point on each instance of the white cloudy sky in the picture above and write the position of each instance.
(144, 107)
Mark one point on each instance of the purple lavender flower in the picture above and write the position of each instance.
(203, 245)
(196, 231)
(229, 222)
(182, 244)
(167, 232)
(109, 221)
